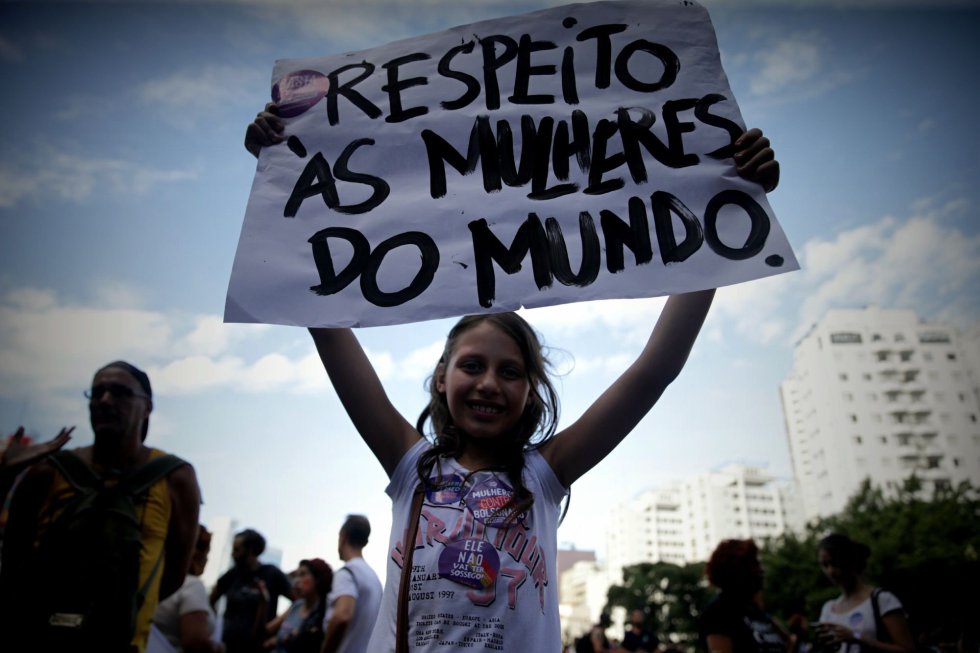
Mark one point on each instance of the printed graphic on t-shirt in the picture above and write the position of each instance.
(469, 548)
(765, 635)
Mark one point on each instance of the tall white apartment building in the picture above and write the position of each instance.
(683, 522)
(879, 394)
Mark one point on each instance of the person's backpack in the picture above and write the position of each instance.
(88, 565)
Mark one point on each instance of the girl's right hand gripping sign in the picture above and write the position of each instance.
(577, 153)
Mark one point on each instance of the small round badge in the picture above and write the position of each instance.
(443, 490)
(298, 91)
(488, 501)
(470, 561)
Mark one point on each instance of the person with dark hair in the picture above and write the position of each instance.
(300, 629)
(352, 607)
(734, 621)
(96, 536)
(251, 590)
(863, 618)
(637, 636)
(186, 620)
(477, 482)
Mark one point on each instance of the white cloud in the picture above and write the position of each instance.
(920, 263)
(76, 178)
(210, 336)
(794, 60)
(420, 363)
(209, 87)
(47, 345)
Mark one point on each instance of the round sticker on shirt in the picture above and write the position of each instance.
(442, 490)
(487, 501)
(470, 561)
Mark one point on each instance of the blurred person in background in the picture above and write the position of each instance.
(734, 621)
(186, 620)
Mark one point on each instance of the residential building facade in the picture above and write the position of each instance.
(879, 394)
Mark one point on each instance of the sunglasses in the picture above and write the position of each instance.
(117, 390)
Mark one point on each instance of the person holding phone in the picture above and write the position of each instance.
(863, 618)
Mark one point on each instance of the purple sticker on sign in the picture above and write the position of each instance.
(470, 561)
(488, 500)
(298, 91)
(442, 490)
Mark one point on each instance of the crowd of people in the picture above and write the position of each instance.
(99, 538)
(92, 537)
(101, 550)
(862, 619)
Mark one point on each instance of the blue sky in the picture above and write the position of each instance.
(123, 184)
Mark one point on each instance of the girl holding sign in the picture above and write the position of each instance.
(476, 502)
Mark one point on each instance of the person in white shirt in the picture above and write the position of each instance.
(353, 603)
(863, 618)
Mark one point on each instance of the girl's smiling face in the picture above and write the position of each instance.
(485, 382)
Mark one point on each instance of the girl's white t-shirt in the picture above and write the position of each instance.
(475, 585)
(860, 618)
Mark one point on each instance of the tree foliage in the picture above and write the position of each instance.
(924, 549)
(670, 595)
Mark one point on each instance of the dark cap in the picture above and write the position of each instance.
(136, 373)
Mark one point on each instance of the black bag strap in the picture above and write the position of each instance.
(143, 478)
(82, 477)
(75, 470)
(880, 633)
(401, 623)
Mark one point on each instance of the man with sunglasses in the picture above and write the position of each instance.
(120, 403)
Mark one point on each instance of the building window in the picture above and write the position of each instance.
(933, 337)
(857, 439)
(843, 377)
(845, 338)
(951, 356)
(854, 417)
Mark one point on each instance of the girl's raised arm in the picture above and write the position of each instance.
(619, 409)
(383, 428)
(387, 433)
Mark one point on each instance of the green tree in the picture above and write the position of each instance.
(923, 548)
(670, 595)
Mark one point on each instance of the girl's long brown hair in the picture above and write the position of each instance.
(536, 426)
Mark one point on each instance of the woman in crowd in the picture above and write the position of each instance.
(863, 618)
(185, 618)
(300, 630)
(734, 621)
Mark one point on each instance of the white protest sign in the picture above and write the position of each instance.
(576, 153)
